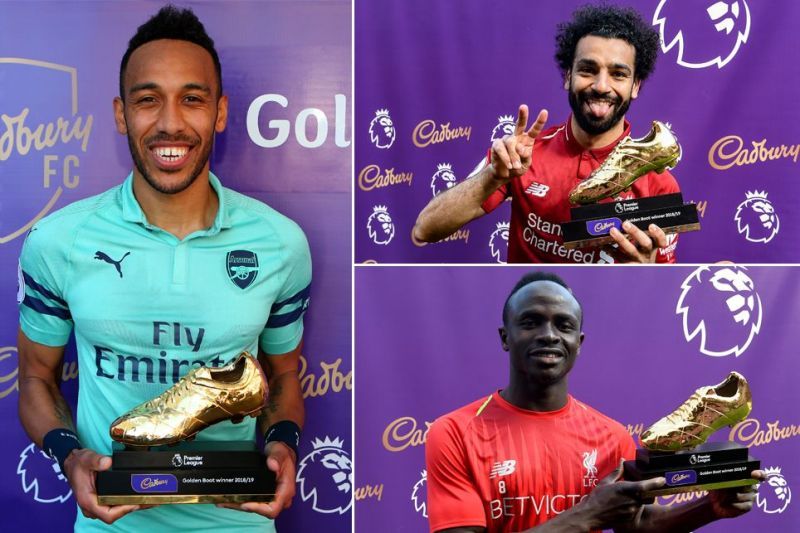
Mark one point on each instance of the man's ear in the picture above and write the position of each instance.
(503, 337)
(637, 83)
(119, 115)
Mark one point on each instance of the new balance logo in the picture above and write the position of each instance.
(504, 468)
(117, 264)
(537, 189)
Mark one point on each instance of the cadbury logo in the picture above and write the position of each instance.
(730, 151)
(750, 433)
(684, 477)
(369, 491)
(150, 483)
(601, 227)
(404, 432)
(154, 483)
(426, 133)
(331, 379)
(458, 235)
(371, 177)
(21, 138)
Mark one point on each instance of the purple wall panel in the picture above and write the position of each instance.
(465, 63)
(427, 343)
(298, 50)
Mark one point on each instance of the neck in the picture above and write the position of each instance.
(592, 142)
(182, 213)
(535, 396)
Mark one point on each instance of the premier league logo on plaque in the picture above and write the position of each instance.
(242, 267)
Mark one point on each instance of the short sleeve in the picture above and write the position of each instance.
(453, 499)
(284, 328)
(627, 447)
(44, 314)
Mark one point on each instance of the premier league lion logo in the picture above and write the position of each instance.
(722, 308)
(381, 129)
(756, 218)
(326, 477)
(706, 32)
(505, 126)
(380, 225)
(498, 242)
(443, 179)
(42, 477)
(419, 496)
(778, 496)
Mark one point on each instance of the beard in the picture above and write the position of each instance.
(593, 125)
(138, 161)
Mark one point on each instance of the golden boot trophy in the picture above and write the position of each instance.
(160, 465)
(675, 446)
(591, 221)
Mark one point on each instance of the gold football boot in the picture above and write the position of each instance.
(706, 411)
(201, 398)
(630, 160)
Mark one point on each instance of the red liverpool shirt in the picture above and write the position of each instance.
(540, 199)
(495, 465)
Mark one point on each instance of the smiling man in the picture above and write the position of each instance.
(531, 457)
(166, 272)
(604, 53)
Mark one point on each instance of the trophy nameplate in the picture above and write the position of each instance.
(590, 224)
(189, 472)
(709, 466)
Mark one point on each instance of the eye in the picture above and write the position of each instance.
(146, 100)
(193, 99)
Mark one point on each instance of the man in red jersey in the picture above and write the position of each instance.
(605, 53)
(533, 458)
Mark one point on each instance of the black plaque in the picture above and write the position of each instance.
(706, 467)
(190, 472)
(590, 224)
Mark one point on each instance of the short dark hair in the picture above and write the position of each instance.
(171, 23)
(611, 22)
(532, 277)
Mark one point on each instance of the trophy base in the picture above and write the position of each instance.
(591, 224)
(707, 467)
(666, 491)
(197, 498)
(196, 472)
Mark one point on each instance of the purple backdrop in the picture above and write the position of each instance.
(461, 65)
(427, 343)
(287, 71)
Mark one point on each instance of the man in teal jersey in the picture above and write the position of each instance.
(164, 273)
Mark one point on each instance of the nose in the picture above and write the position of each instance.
(170, 118)
(546, 334)
(601, 84)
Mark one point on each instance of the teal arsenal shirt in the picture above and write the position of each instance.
(147, 307)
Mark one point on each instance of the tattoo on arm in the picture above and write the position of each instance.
(274, 398)
(63, 412)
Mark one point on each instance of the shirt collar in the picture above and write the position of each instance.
(601, 152)
(132, 211)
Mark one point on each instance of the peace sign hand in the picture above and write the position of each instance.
(511, 155)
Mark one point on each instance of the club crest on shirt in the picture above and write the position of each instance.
(242, 267)
(589, 462)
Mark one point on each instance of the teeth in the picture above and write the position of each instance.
(170, 152)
